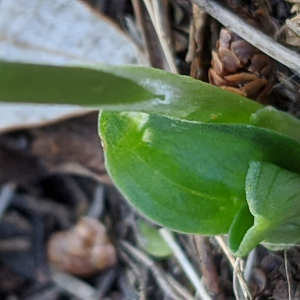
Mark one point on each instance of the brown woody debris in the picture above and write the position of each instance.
(83, 250)
(196, 54)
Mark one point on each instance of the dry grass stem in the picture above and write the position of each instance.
(6, 194)
(225, 249)
(73, 285)
(157, 272)
(137, 270)
(233, 262)
(138, 13)
(157, 15)
(179, 288)
(250, 262)
(287, 275)
(238, 280)
(185, 264)
(97, 206)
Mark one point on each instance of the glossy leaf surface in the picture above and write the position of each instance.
(188, 176)
(66, 85)
(273, 196)
(134, 88)
(126, 88)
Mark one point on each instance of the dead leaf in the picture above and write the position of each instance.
(71, 146)
(83, 250)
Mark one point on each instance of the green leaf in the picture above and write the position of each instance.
(184, 175)
(152, 241)
(66, 85)
(239, 227)
(134, 88)
(123, 88)
(185, 167)
(273, 196)
(187, 98)
(271, 118)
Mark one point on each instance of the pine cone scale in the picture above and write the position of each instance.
(230, 62)
(240, 78)
(254, 87)
(243, 51)
(216, 79)
(239, 67)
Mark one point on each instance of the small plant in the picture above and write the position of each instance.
(188, 155)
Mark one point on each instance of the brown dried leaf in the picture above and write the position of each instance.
(83, 250)
(17, 165)
(69, 146)
(290, 32)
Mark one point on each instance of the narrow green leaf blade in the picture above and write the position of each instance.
(28, 83)
(123, 88)
(184, 175)
(239, 228)
(134, 88)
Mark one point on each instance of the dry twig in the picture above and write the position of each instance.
(73, 285)
(287, 275)
(159, 274)
(233, 263)
(208, 268)
(157, 15)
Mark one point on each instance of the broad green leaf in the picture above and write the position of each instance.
(152, 241)
(186, 165)
(273, 197)
(184, 175)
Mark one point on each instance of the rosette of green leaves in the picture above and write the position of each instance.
(188, 155)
